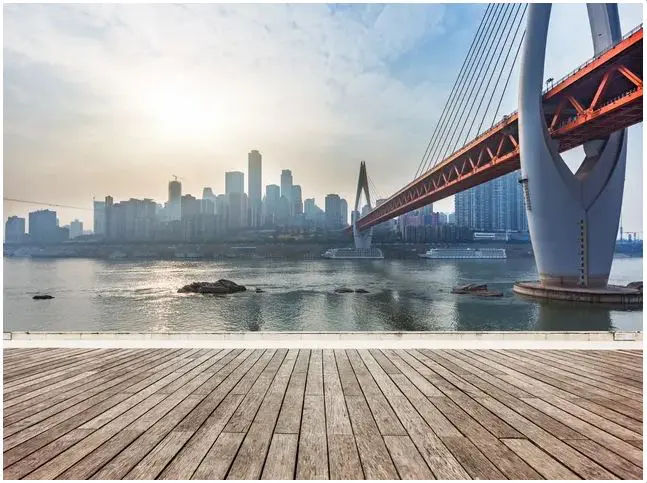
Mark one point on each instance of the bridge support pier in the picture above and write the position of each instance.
(362, 239)
(573, 218)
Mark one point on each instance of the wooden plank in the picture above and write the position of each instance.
(619, 466)
(215, 464)
(101, 456)
(343, 458)
(281, 458)
(99, 400)
(410, 367)
(244, 415)
(290, 415)
(314, 385)
(128, 459)
(584, 467)
(187, 460)
(373, 454)
(503, 458)
(349, 383)
(607, 440)
(384, 362)
(548, 467)
(385, 418)
(312, 457)
(249, 461)
(407, 459)
(470, 458)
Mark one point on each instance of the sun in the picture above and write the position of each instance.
(177, 109)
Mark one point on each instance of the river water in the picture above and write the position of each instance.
(99, 295)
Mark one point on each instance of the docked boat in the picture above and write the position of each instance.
(353, 254)
(465, 254)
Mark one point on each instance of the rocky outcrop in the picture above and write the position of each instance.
(344, 290)
(480, 290)
(222, 286)
(361, 290)
(42, 297)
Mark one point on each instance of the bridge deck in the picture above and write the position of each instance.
(206, 413)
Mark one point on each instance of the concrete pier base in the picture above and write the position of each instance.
(615, 295)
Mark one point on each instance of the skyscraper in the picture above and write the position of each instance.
(99, 225)
(14, 231)
(76, 229)
(343, 212)
(255, 186)
(43, 226)
(297, 203)
(271, 205)
(174, 200)
(286, 184)
(333, 211)
(234, 182)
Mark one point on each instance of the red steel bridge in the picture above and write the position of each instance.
(602, 96)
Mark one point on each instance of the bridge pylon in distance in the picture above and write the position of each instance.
(362, 239)
(573, 218)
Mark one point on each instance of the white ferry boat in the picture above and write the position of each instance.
(353, 253)
(466, 254)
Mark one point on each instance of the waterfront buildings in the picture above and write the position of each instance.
(234, 182)
(493, 206)
(174, 206)
(99, 225)
(14, 231)
(76, 229)
(43, 226)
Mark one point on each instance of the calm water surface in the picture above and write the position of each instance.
(404, 295)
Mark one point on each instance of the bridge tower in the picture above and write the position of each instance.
(573, 218)
(362, 239)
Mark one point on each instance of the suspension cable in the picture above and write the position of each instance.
(489, 23)
(505, 87)
(496, 66)
(457, 82)
(451, 149)
(461, 102)
(503, 69)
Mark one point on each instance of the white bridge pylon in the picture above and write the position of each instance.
(362, 239)
(573, 218)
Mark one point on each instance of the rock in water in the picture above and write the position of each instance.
(222, 286)
(361, 290)
(42, 297)
(344, 290)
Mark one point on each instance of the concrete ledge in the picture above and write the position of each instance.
(336, 340)
(611, 295)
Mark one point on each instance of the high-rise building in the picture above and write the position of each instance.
(234, 182)
(76, 229)
(493, 206)
(99, 222)
(174, 200)
(208, 194)
(271, 205)
(286, 184)
(255, 187)
(309, 208)
(131, 220)
(343, 212)
(14, 231)
(237, 210)
(297, 202)
(333, 211)
(43, 226)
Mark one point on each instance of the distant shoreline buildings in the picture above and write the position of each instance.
(493, 207)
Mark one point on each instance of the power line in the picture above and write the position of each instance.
(40, 203)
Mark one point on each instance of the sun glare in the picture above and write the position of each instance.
(178, 110)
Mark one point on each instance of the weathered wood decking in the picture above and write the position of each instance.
(339, 414)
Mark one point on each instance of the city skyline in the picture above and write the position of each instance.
(67, 97)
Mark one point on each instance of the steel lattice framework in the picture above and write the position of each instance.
(600, 97)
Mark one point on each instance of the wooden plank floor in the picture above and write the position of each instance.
(338, 414)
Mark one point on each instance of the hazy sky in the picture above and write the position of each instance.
(115, 99)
